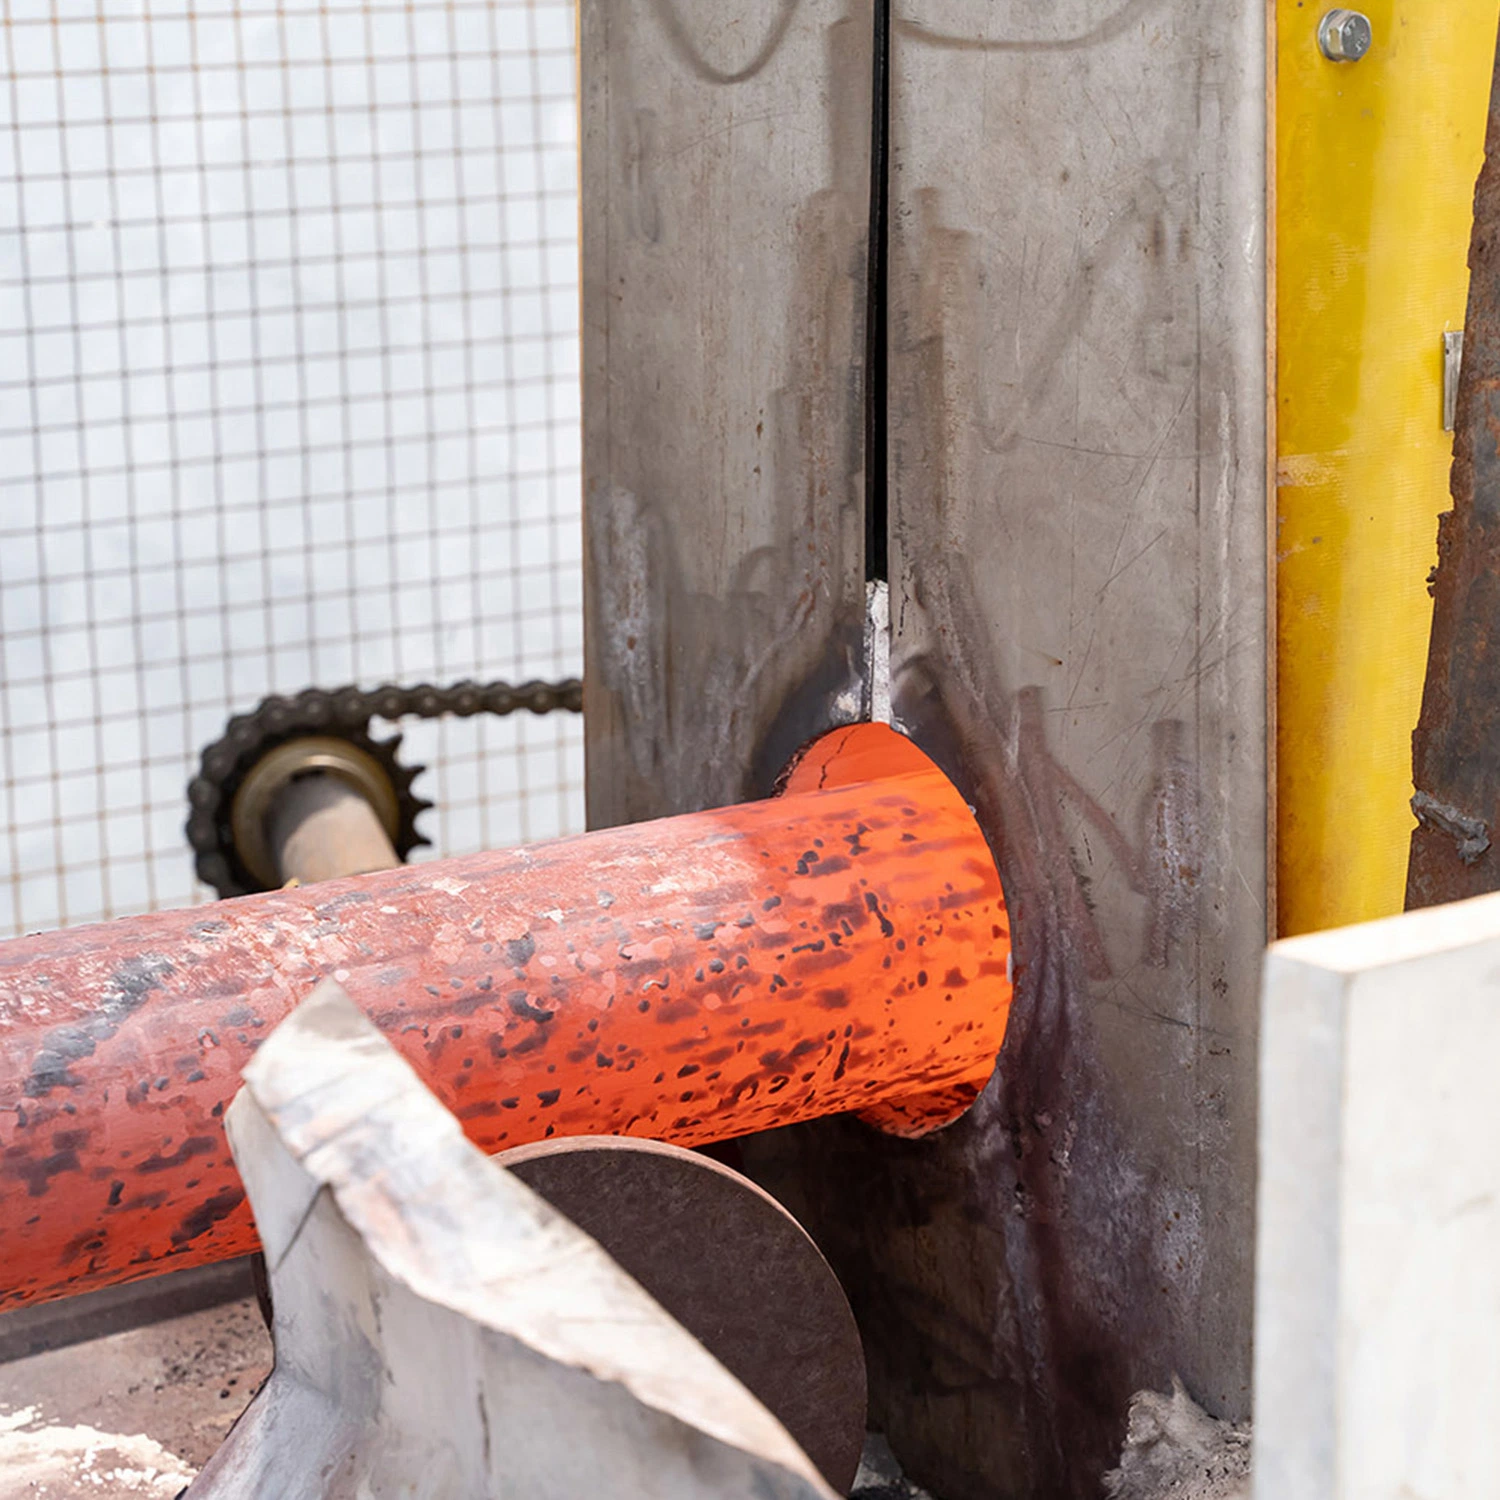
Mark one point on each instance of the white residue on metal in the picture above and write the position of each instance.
(878, 652)
(1175, 1451)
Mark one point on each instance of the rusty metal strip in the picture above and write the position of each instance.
(1456, 747)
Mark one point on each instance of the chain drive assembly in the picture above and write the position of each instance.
(343, 713)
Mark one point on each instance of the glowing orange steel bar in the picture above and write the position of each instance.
(842, 946)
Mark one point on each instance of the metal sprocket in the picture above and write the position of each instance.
(346, 713)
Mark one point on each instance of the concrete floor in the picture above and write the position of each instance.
(131, 1415)
(134, 1415)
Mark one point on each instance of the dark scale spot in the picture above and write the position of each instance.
(510, 1103)
(778, 1083)
(207, 1214)
(687, 1070)
(954, 978)
(685, 1097)
(921, 979)
(126, 990)
(161, 1083)
(521, 950)
(488, 982)
(908, 838)
(549, 1097)
(843, 1063)
(659, 1078)
(468, 1062)
(603, 1060)
(38, 1172)
(457, 984)
(746, 921)
(699, 976)
(196, 1076)
(703, 931)
(594, 1024)
(194, 1145)
(742, 962)
(872, 902)
(521, 1004)
(716, 966)
(770, 903)
(115, 1189)
(643, 1006)
(217, 1110)
(433, 990)
(816, 947)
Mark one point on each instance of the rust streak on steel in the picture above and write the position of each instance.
(844, 946)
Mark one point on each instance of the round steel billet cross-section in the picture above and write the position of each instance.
(731, 1265)
(274, 772)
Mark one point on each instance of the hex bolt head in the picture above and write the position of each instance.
(1344, 35)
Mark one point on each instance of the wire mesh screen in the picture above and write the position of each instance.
(288, 396)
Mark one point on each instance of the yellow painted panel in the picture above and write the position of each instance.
(1375, 169)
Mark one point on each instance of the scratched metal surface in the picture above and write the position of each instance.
(1454, 762)
(689, 980)
(1078, 582)
(726, 194)
(1076, 461)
